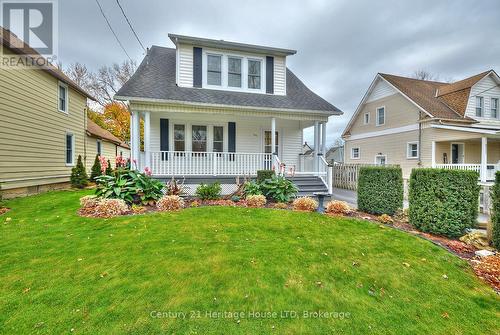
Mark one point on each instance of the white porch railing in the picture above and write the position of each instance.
(491, 169)
(190, 163)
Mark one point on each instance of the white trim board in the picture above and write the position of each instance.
(467, 129)
(390, 131)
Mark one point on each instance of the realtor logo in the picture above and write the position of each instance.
(34, 23)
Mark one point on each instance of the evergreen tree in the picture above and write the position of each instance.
(109, 169)
(96, 169)
(79, 176)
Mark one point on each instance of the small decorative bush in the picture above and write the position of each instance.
(170, 203)
(305, 204)
(380, 189)
(96, 169)
(338, 207)
(235, 198)
(386, 219)
(443, 202)
(107, 208)
(279, 189)
(137, 209)
(209, 191)
(280, 205)
(79, 176)
(174, 187)
(256, 201)
(109, 169)
(195, 204)
(252, 188)
(495, 219)
(263, 175)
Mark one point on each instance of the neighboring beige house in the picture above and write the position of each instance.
(216, 109)
(101, 142)
(418, 123)
(335, 154)
(42, 126)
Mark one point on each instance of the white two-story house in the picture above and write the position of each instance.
(210, 108)
(418, 123)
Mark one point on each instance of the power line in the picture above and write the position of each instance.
(111, 28)
(130, 25)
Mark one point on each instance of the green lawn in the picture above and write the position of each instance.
(97, 276)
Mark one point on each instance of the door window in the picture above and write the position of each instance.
(268, 142)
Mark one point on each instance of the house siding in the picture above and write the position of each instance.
(109, 150)
(279, 75)
(185, 65)
(33, 131)
(487, 88)
(381, 90)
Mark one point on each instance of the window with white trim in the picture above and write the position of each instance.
(355, 153)
(214, 70)
(70, 148)
(479, 106)
(380, 116)
(99, 147)
(62, 98)
(412, 150)
(380, 160)
(366, 119)
(218, 140)
(179, 137)
(254, 71)
(199, 139)
(494, 108)
(234, 72)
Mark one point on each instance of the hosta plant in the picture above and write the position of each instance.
(279, 189)
(252, 187)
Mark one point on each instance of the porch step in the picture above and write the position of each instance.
(308, 185)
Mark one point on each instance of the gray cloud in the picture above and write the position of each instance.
(341, 44)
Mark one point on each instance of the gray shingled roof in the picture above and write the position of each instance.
(155, 79)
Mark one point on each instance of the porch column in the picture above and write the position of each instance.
(136, 138)
(484, 158)
(273, 136)
(433, 154)
(316, 146)
(147, 139)
(323, 139)
(131, 136)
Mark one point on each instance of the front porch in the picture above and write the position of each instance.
(480, 154)
(180, 144)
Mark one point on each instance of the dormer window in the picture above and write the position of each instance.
(479, 106)
(254, 74)
(214, 70)
(234, 72)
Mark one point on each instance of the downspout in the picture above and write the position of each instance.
(85, 136)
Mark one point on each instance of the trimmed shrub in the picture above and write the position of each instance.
(209, 191)
(380, 189)
(96, 169)
(262, 175)
(257, 200)
(79, 176)
(443, 202)
(338, 207)
(170, 203)
(495, 219)
(305, 204)
(109, 169)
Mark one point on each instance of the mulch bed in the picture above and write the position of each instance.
(486, 268)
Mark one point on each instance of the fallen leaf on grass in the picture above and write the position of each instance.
(406, 264)
(26, 290)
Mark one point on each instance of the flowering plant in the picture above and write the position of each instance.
(104, 164)
(120, 162)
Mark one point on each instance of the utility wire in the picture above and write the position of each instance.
(111, 28)
(130, 25)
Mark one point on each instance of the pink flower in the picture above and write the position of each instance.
(104, 163)
(120, 161)
(148, 171)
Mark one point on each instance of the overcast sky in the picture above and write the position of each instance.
(341, 44)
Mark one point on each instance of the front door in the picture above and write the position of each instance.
(268, 148)
(457, 153)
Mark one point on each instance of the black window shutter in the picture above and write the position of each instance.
(197, 68)
(231, 142)
(164, 138)
(269, 74)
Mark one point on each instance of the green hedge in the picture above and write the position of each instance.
(495, 219)
(443, 202)
(380, 189)
(263, 175)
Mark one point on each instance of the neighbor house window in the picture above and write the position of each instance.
(199, 143)
(254, 74)
(70, 147)
(63, 98)
(380, 160)
(367, 118)
(234, 72)
(214, 70)
(494, 108)
(99, 147)
(479, 106)
(412, 150)
(380, 116)
(218, 139)
(179, 137)
(354, 153)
